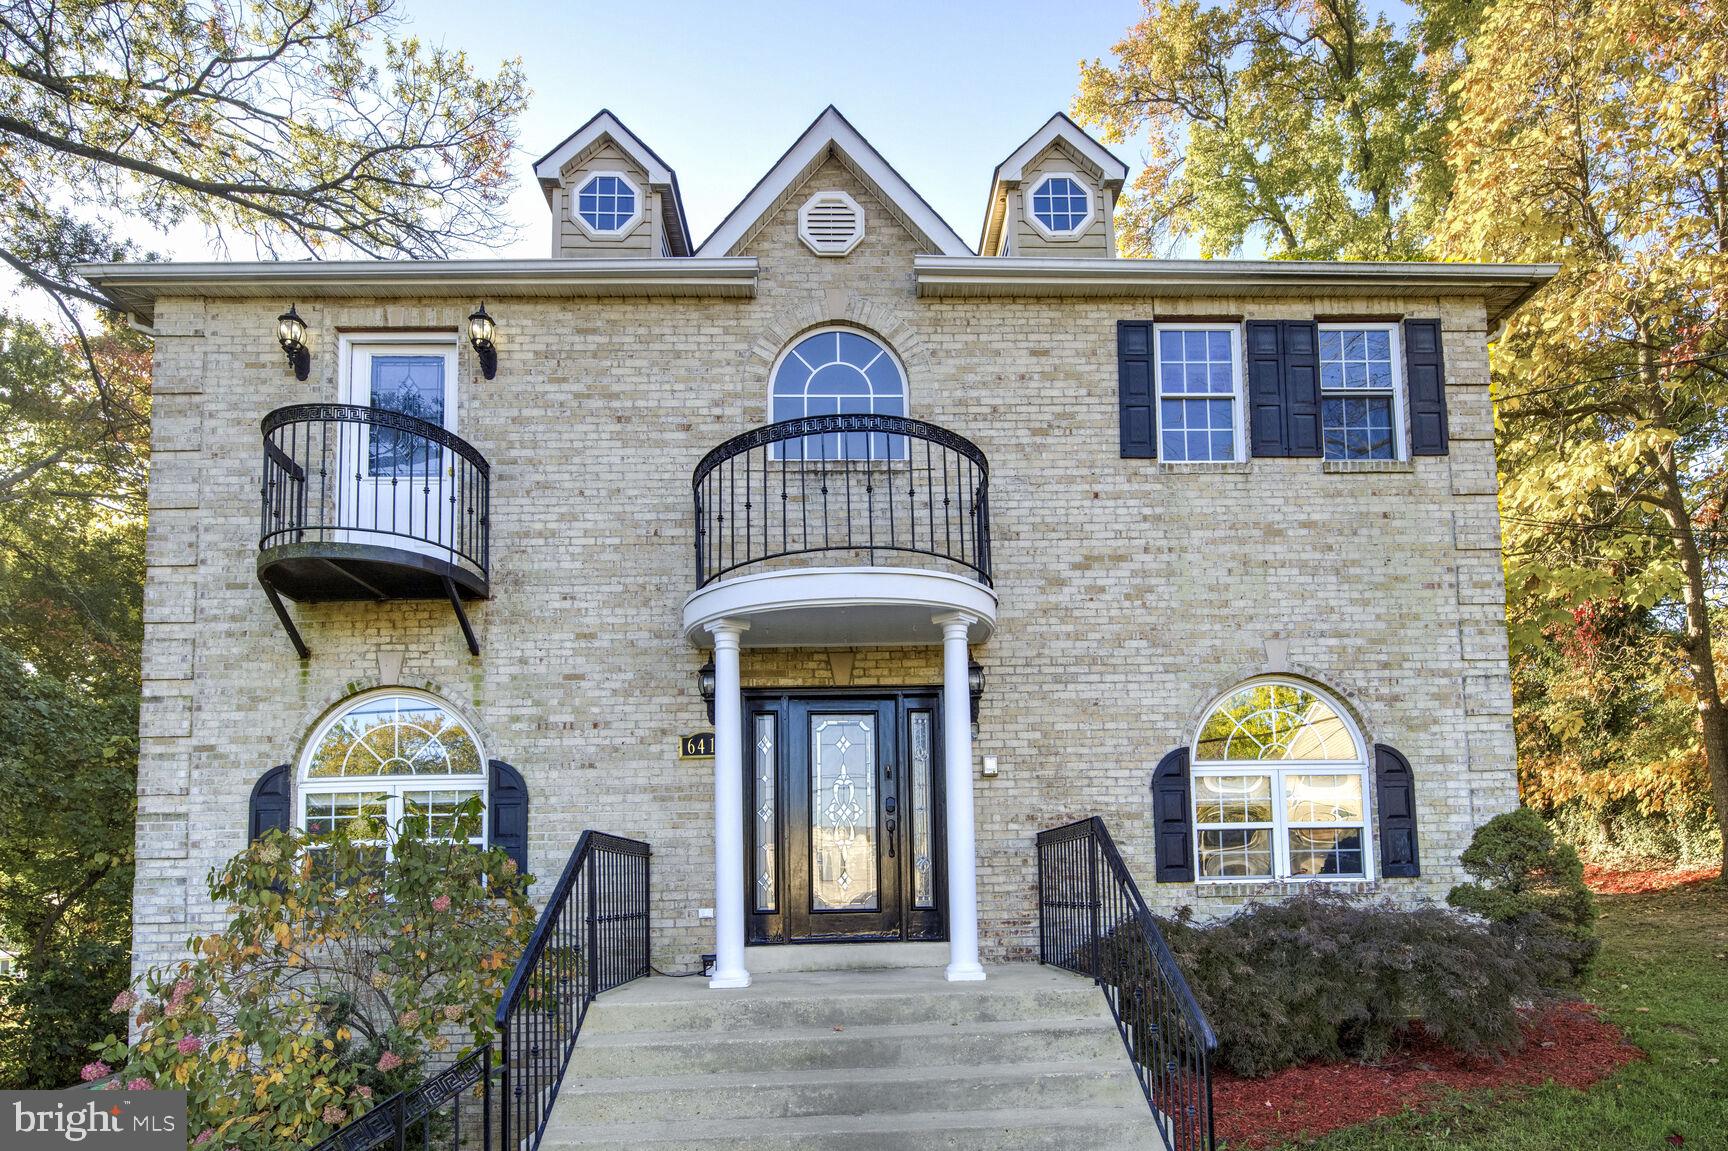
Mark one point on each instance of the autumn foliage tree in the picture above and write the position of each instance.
(1596, 135)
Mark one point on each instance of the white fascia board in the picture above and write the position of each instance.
(831, 129)
(604, 124)
(135, 287)
(1013, 169)
(1504, 285)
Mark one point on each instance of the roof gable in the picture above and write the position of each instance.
(832, 133)
(605, 125)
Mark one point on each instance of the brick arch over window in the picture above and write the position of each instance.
(842, 308)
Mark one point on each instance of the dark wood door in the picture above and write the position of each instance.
(845, 817)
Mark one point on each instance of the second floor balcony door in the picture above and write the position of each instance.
(398, 482)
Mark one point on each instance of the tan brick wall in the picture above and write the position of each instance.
(1131, 592)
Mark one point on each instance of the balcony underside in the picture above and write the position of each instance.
(324, 572)
(841, 607)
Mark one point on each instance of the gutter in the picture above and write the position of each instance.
(135, 287)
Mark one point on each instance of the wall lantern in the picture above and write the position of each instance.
(291, 334)
(705, 684)
(975, 687)
(481, 331)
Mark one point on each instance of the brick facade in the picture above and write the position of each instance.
(1132, 592)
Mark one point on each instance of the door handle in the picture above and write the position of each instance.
(890, 836)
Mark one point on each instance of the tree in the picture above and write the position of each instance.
(71, 573)
(335, 983)
(1309, 127)
(1596, 134)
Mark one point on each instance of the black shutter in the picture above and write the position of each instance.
(507, 814)
(1134, 390)
(1395, 797)
(1172, 819)
(1283, 373)
(1425, 378)
(269, 808)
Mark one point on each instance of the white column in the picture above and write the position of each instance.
(957, 775)
(729, 970)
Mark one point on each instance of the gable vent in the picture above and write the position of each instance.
(831, 223)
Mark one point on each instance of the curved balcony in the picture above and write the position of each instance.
(360, 503)
(842, 529)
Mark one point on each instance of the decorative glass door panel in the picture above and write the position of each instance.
(844, 874)
(845, 809)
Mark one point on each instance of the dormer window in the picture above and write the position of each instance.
(608, 204)
(1061, 206)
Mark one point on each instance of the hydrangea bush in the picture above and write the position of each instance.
(336, 982)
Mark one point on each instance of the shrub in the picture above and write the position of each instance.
(1328, 978)
(335, 983)
(1531, 883)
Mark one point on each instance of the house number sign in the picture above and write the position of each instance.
(698, 746)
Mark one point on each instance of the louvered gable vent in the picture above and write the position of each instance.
(831, 223)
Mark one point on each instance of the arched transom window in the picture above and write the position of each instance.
(1280, 780)
(393, 757)
(839, 371)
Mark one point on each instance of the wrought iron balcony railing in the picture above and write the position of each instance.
(863, 486)
(365, 503)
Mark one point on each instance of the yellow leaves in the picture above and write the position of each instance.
(284, 936)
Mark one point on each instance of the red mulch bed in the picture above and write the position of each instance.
(1605, 882)
(1566, 1044)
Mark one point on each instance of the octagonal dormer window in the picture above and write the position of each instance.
(1061, 206)
(608, 204)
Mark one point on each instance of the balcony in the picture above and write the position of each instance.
(844, 529)
(361, 503)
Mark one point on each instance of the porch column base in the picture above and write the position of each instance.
(963, 965)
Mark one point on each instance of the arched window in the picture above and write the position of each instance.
(397, 757)
(839, 371)
(1280, 779)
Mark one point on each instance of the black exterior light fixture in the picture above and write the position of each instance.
(481, 333)
(705, 684)
(291, 334)
(975, 686)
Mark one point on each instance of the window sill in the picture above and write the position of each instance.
(1232, 467)
(1331, 467)
(1280, 889)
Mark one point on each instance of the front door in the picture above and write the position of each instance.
(845, 817)
(397, 483)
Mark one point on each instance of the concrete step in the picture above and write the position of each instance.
(881, 1091)
(839, 999)
(629, 1053)
(1126, 1127)
(844, 957)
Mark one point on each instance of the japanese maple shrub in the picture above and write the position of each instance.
(339, 978)
(1531, 884)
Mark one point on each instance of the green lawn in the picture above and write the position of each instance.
(1663, 978)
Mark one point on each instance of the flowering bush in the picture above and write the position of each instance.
(336, 980)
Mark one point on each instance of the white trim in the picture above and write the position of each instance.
(351, 344)
(831, 130)
(1275, 770)
(622, 230)
(823, 590)
(817, 200)
(1238, 403)
(1078, 230)
(1060, 127)
(1398, 391)
(550, 166)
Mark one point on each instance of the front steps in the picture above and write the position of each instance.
(893, 1059)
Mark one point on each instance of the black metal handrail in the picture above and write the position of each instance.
(592, 937)
(342, 473)
(863, 484)
(420, 1114)
(1093, 920)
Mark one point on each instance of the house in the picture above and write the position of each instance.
(944, 547)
